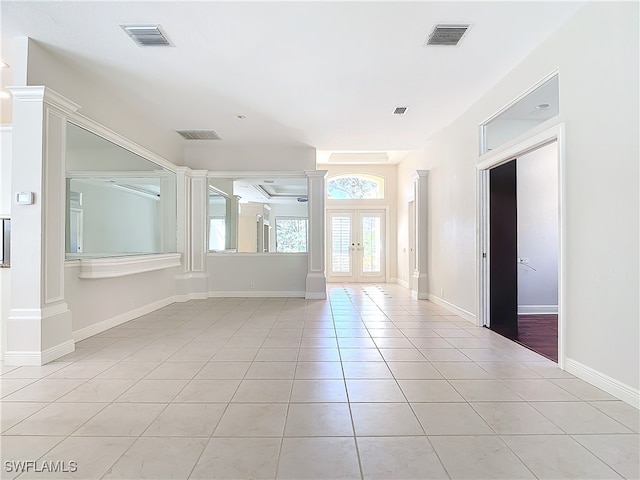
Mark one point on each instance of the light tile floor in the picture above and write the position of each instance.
(369, 384)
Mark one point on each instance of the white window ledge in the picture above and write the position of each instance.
(110, 267)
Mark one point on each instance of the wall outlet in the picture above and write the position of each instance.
(253, 285)
(523, 260)
(442, 293)
(132, 302)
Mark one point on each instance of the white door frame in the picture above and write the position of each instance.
(490, 160)
(355, 209)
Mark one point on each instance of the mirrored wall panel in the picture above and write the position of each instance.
(531, 110)
(118, 203)
(258, 215)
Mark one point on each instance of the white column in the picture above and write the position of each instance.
(168, 210)
(199, 221)
(183, 231)
(419, 285)
(39, 327)
(316, 284)
(193, 198)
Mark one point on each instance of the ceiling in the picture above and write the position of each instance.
(323, 74)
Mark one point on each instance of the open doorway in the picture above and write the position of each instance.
(520, 245)
(537, 252)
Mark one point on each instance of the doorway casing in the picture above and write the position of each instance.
(486, 163)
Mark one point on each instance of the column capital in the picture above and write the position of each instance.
(420, 174)
(41, 93)
(182, 170)
(316, 173)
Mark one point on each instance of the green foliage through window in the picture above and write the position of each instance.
(291, 235)
(355, 187)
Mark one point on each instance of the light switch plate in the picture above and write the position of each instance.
(24, 198)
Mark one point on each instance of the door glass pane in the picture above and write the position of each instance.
(340, 244)
(371, 244)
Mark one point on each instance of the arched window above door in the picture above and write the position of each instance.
(355, 187)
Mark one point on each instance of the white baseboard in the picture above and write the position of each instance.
(104, 325)
(253, 293)
(28, 359)
(610, 385)
(537, 309)
(461, 312)
(402, 283)
(315, 295)
(58, 351)
(419, 296)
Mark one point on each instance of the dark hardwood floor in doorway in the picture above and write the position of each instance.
(540, 334)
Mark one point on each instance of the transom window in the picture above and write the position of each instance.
(355, 187)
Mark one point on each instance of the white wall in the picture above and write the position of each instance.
(451, 235)
(97, 102)
(272, 274)
(537, 199)
(232, 157)
(5, 211)
(405, 193)
(5, 170)
(98, 304)
(599, 105)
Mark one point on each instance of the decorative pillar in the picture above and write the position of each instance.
(419, 285)
(316, 284)
(193, 199)
(199, 220)
(183, 231)
(168, 211)
(39, 327)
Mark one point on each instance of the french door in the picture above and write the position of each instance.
(356, 246)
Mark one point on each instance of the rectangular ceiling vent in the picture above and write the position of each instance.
(147, 35)
(400, 110)
(199, 134)
(447, 35)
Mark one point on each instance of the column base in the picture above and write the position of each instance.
(316, 286)
(419, 290)
(38, 336)
(190, 286)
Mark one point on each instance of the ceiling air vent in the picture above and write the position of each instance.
(400, 110)
(147, 35)
(447, 35)
(199, 134)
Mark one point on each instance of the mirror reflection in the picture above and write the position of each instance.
(258, 215)
(534, 108)
(118, 203)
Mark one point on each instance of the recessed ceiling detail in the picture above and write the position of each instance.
(147, 35)
(199, 134)
(400, 110)
(359, 157)
(446, 35)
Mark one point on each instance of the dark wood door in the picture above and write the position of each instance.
(503, 264)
